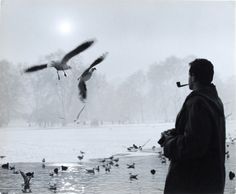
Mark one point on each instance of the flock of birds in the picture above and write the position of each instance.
(106, 163)
(61, 65)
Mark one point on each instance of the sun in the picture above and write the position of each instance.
(65, 27)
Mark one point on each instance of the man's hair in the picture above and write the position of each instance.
(202, 70)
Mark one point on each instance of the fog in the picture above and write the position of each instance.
(149, 43)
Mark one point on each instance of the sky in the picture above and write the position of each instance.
(135, 33)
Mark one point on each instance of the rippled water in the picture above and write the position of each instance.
(76, 180)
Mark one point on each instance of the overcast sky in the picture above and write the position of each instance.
(135, 33)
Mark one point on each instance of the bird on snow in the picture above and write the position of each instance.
(80, 157)
(116, 159)
(82, 152)
(61, 65)
(86, 75)
(90, 171)
(131, 165)
(132, 176)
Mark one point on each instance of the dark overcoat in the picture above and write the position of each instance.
(197, 149)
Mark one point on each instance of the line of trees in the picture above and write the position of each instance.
(41, 99)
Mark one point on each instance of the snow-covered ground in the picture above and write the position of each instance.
(24, 144)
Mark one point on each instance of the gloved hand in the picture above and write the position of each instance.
(165, 136)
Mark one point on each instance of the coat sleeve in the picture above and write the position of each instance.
(197, 134)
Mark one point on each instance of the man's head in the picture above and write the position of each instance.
(200, 73)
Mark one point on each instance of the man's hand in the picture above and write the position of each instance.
(165, 136)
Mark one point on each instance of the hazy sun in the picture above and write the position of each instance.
(65, 27)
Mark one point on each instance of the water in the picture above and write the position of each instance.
(26, 147)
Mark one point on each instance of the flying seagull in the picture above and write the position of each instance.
(61, 65)
(86, 75)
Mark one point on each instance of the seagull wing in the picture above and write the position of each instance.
(77, 50)
(96, 62)
(35, 68)
(24, 176)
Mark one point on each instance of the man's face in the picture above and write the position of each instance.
(190, 81)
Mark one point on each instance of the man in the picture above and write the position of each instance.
(196, 146)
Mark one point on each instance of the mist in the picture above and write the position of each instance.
(149, 44)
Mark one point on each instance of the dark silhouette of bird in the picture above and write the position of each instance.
(12, 167)
(86, 75)
(1, 157)
(30, 174)
(232, 140)
(133, 176)
(111, 163)
(43, 160)
(103, 160)
(26, 185)
(82, 152)
(231, 175)
(153, 171)
(107, 168)
(116, 159)
(163, 160)
(134, 146)
(90, 171)
(97, 168)
(64, 168)
(80, 157)
(61, 65)
(131, 165)
(55, 170)
(153, 148)
(5, 166)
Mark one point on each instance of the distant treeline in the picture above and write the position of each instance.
(151, 96)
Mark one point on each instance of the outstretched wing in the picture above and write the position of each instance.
(96, 62)
(24, 176)
(77, 50)
(35, 68)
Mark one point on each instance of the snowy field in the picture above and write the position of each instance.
(64, 144)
